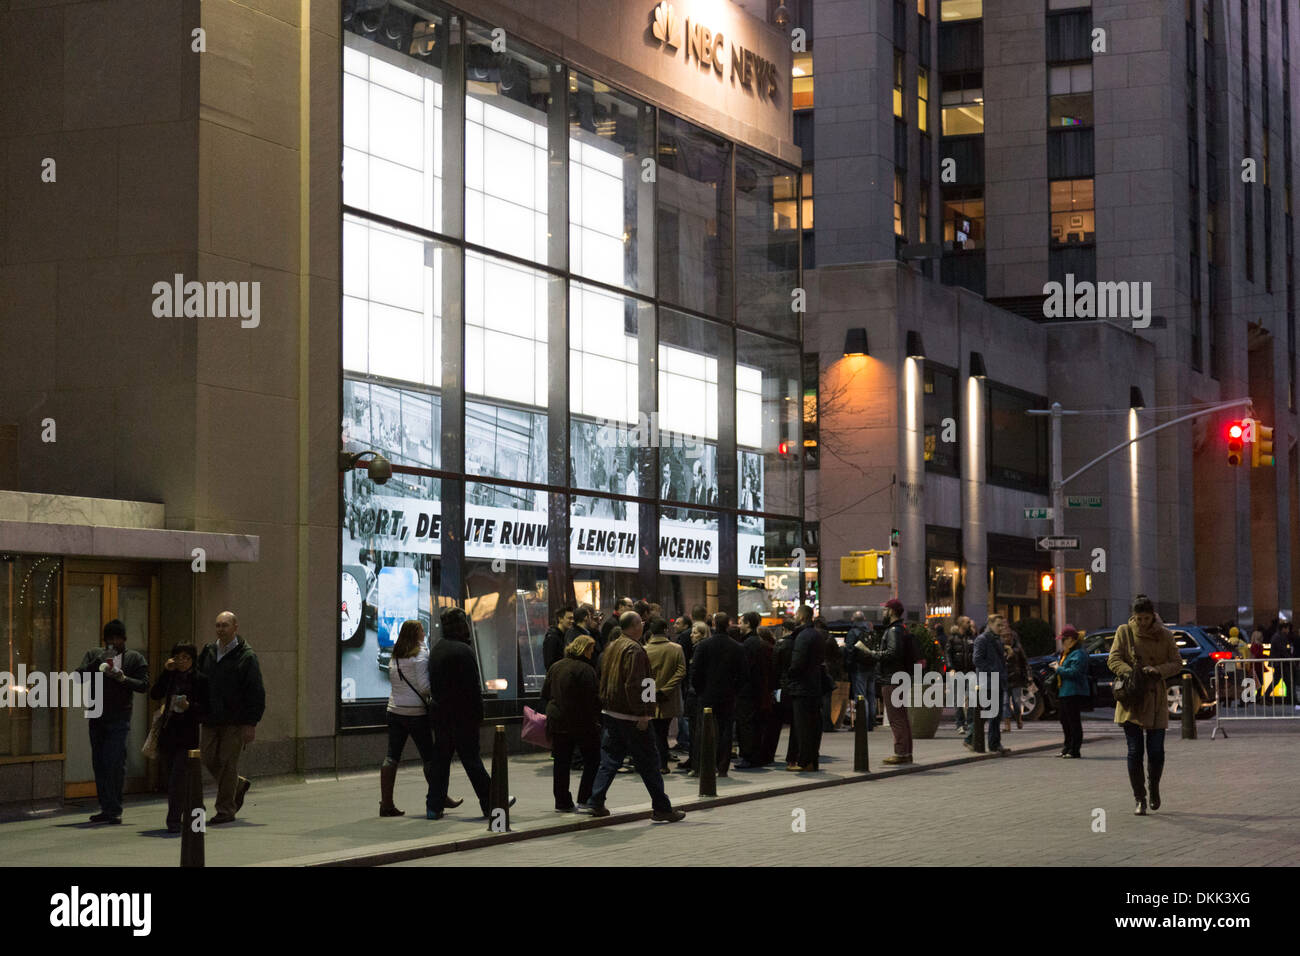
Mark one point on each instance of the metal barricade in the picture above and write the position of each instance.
(1256, 689)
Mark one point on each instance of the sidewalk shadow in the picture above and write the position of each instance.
(162, 834)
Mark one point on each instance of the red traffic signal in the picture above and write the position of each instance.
(1235, 431)
(783, 449)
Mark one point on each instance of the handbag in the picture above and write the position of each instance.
(533, 730)
(150, 747)
(1129, 688)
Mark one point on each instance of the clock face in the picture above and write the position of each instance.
(350, 608)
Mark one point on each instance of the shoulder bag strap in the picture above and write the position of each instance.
(397, 662)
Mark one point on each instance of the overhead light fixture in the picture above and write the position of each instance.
(1135, 399)
(855, 342)
(977, 369)
(915, 348)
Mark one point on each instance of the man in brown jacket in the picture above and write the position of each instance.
(627, 698)
(668, 668)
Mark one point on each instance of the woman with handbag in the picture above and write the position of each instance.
(1142, 655)
(408, 716)
(571, 701)
(1072, 679)
(175, 732)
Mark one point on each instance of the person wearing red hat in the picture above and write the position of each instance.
(1072, 678)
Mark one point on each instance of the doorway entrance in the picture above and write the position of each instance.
(95, 594)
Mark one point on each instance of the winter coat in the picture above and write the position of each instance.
(236, 694)
(961, 653)
(1073, 674)
(180, 731)
(1017, 666)
(719, 672)
(624, 668)
(454, 684)
(570, 698)
(668, 668)
(1154, 648)
(806, 659)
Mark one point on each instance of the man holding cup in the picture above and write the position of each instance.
(125, 673)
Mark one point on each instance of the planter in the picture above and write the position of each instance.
(924, 720)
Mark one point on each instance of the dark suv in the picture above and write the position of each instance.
(1199, 649)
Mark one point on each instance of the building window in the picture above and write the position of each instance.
(898, 84)
(1017, 443)
(1073, 216)
(1069, 101)
(811, 396)
(962, 100)
(923, 210)
(963, 220)
(923, 7)
(950, 11)
(31, 599)
(788, 205)
(923, 99)
(802, 92)
(942, 436)
(900, 224)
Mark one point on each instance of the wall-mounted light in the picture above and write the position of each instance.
(977, 369)
(1135, 399)
(855, 342)
(915, 348)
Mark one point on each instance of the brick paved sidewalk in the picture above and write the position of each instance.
(335, 818)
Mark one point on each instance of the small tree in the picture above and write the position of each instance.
(1036, 636)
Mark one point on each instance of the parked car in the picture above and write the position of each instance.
(1198, 647)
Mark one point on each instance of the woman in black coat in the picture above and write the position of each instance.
(184, 692)
(571, 701)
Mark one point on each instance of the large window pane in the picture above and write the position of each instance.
(1073, 215)
(941, 431)
(603, 357)
(769, 412)
(688, 542)
(393, 295)
(603, 533)
(393, 117)
(507, 311)
(1017, 442)
(506, 557)
(391, 543)
(768, 574)
(513, 197)
(688, 410)
(611, 202)
(504, 442)
(403, 423)
(694, 217)
(767, 245)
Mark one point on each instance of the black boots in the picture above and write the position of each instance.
(387, 777)
(1156, 768)
(1135, 778)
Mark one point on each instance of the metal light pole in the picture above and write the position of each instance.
(1058, 523)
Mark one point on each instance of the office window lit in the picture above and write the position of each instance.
(922, 98)
(898, 84)
(1073, 217)
(963, 104)
(802, 97)
(950, 11)
(1070, 95)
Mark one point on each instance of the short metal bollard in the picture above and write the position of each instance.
(861, 724)
(977, 739)
(707, 770)
(193, 824)
(1189, 708)
(499, 790)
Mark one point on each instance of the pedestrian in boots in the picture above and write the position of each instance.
(571, 702)
(1072, 678)
(1145, 646)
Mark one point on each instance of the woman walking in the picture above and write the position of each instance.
(184, 692)
(1144, 651)
(1072, 676)
(1017, 679)
(571, 702)
(408, 715)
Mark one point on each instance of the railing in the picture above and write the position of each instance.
(1256, 689)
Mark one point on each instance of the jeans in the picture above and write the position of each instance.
(563, 746)
(1011, 698)
(461, 739)
(661, 740)
(994, 726)
(864, 685)
(684, 727)
(1155, 741)
(618, 738)
(417, 728)
(1071, 723)
(108, 756)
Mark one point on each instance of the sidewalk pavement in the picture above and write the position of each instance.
(332, 820)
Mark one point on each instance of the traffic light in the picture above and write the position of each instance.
(1046, 582)
(1234, 443)
(1261, 449)
(783, 449)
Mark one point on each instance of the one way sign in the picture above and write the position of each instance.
(1058, 544)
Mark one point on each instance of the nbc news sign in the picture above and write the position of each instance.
(708, 49)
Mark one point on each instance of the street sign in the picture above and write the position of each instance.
(1083, 501)
(1057, 544)
(1037, 513)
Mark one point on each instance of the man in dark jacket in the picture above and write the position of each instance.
(457, 694)
(781, 654)
(752, 694)
(236, 703)
(991, 666)
(719, 675)
(554, 642)
(862, 669)
(961, 659)
(804, 686)
(626, 713)
(769, 713)
(126, 673)
(892, 657)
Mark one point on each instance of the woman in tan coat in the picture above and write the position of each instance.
(1146, 643)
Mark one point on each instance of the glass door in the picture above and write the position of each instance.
(92, 600)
